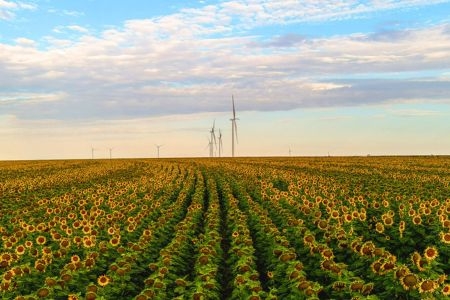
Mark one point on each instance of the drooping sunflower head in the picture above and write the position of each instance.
(43, 292)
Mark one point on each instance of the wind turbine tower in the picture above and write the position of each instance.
(110, 152)
(212, 141)
(233, 127)
(92, 152)
(220, 143)
(157, 147)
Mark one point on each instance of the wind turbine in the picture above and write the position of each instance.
(233, 127)
(158, 146)
(220, 143)
(212, 140)
(290, 151)
(110, 152)
(92, 151)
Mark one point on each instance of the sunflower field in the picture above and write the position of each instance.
(222, 228)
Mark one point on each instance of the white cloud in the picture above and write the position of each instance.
(68, 28)
(7, 8)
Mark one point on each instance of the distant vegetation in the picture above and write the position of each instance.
(253, 228)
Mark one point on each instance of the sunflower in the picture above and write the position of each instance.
(334, 214)
(41, 240)
(379, 227)
(39, 266)
(415, 257)
(348, 218)
(356, 285)
(376, 266)
(409, 281)
(338, 285)
(75, 258)
(88, 243)
(427, 286)
(322, 224)
(64, 243)
(77, 240)
(103, 280)
(50, 281)
(388, 221)
(445, 237)
(446, 290)
(114, 241)
(90, 296)
(308, 239)
(131, 228)
(362, 217)
(43, 292)
(66, 277)
(417, 220)
(20, 250)
(86, 229)
(430, 253)
(7, 276)
(31, 228)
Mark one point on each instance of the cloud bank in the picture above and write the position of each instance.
(193, 60)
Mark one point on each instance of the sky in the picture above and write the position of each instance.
(309, 78)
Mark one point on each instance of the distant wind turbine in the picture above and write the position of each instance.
(213, 141)
(290, 151)
(92, 152)
(157, 147)
(110, 152)
(220, 143)
(233, 128)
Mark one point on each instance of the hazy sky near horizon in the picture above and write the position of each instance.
(346, 77)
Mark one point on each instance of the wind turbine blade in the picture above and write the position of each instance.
(234, 111)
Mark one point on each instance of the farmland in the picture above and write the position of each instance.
(246, 228)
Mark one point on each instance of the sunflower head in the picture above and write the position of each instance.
(445, 237)
(446, 289)
(103, 280)
(409, 281)
(427, 286)
(430, 253)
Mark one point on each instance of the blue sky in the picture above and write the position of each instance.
(346, 77)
